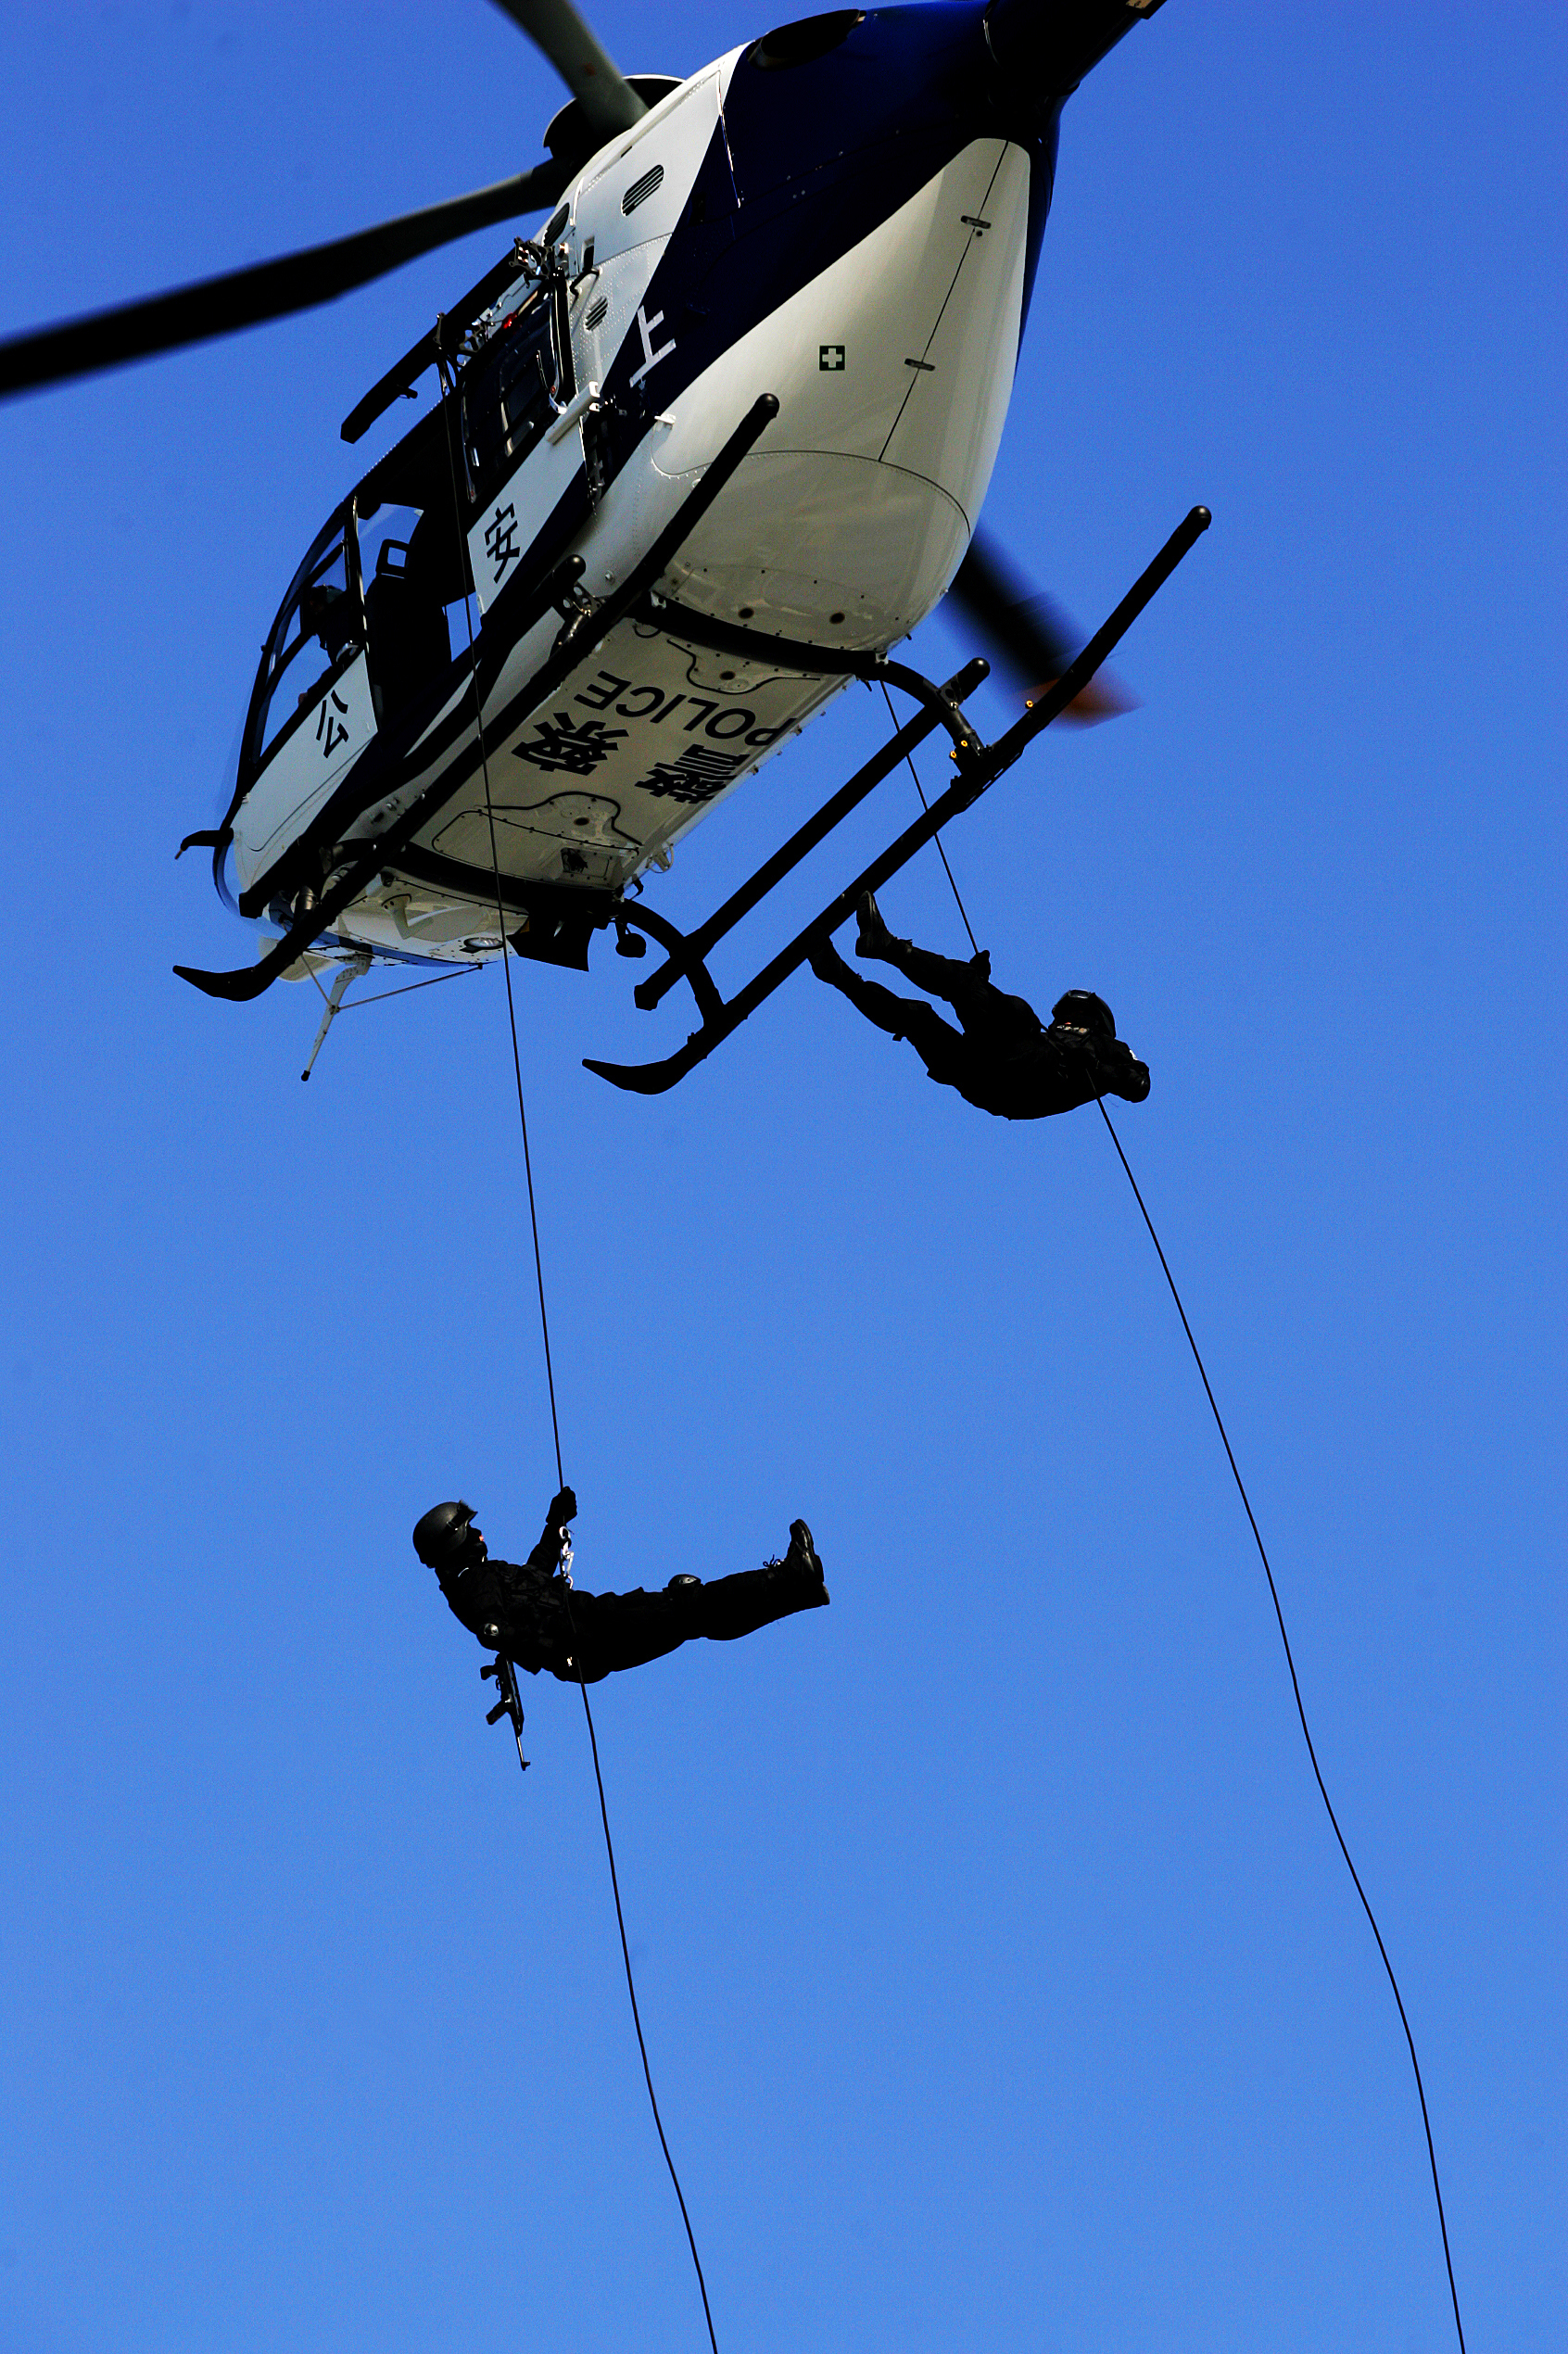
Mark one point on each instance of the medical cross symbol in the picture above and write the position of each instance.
(330, 732)
(651, 358)
(500, 540)
(830, 357)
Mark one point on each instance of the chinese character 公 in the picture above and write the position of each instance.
(330, 732)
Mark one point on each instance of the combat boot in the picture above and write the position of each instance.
(875, 939)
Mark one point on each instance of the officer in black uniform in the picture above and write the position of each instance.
(1004, 1059)
(535, 1616)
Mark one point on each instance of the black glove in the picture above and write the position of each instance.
(562, 1509)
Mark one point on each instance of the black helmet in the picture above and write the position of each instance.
(442, 1534)
(1085, 1011)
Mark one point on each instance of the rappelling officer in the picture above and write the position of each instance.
(533, 1614)
(1004, 1059)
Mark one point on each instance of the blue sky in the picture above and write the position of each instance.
(1002, 1980)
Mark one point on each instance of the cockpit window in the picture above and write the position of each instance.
(513, 388)
(320, 621)
(386, 532)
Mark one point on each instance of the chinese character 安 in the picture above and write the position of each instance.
(500, 540)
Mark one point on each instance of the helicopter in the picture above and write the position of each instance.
(703, 449)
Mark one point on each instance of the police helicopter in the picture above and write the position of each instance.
(704, 449)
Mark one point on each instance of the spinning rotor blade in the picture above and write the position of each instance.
(608, 101)
(267, 290)
(1032, 635)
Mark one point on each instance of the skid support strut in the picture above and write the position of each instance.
(979, 768)
(353, 971)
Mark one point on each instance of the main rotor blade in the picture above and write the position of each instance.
(1029, 634)
(608, 100)
(267, 290)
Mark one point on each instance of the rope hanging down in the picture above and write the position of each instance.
(1279, 1614)
(942, 854)
(554, 1416)
(631, 1990)
(1301, 1712)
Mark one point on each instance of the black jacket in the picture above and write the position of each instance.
(1054, 1071)
(527, 1601)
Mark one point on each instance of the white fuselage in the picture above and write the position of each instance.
(892, 368)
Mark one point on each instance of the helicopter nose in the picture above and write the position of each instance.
(1046, 46)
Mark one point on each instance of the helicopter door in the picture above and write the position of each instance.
(311, 712)
(410, 563)
(526, 457)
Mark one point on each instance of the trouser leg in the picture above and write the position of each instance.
(935, 1040)
(987, 1013)
(616, 1631)
(753, 1598)
(612, 1631)
(944, 976)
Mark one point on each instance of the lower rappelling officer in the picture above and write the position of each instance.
(532, 1612)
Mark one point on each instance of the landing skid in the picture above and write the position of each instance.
(978, 765)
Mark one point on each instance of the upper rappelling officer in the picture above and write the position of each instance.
(1004, 1059)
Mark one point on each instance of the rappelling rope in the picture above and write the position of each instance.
(1300, 1709)
(909, 763)
(554, 1416)
(500, 921)
(632, 1988)
(1279, 1614)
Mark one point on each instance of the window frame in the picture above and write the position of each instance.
(341, 528)
(551, 298)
